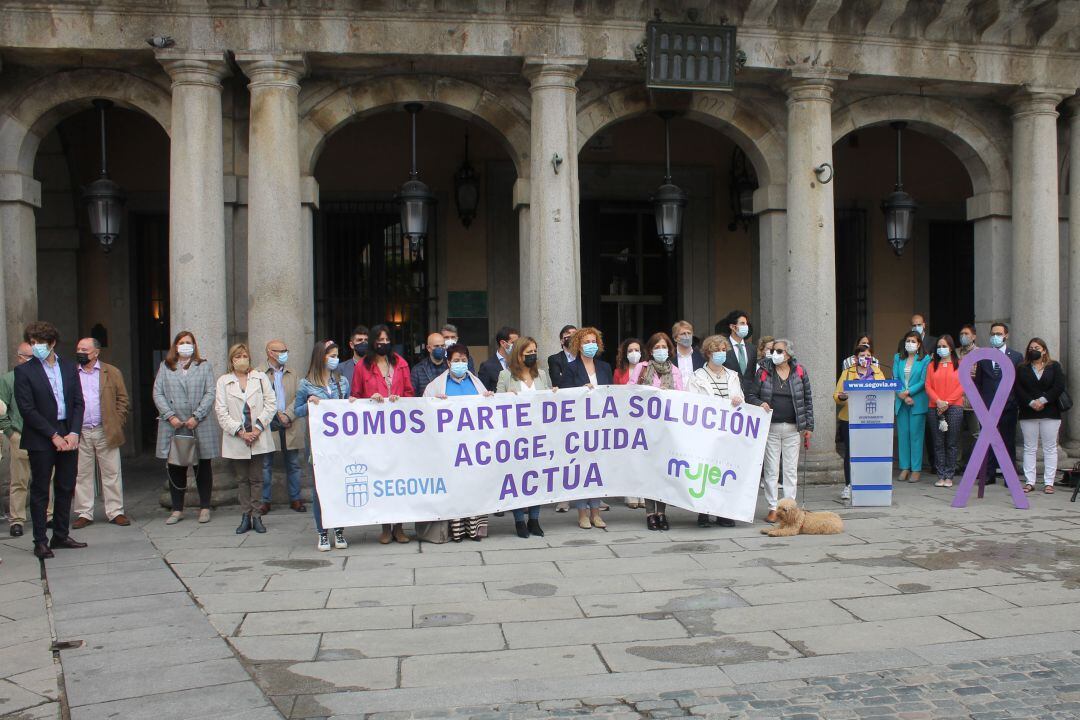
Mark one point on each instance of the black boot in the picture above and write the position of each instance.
(652, 522)
(725, 522)
(662, 520)
(534, 527)
(257, 523)
(522, 528)
(702, 520)
(245, 524)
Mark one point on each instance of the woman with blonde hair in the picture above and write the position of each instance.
(718, 381)
(245, 405)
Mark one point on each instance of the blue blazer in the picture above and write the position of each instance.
(917, 385)
(576, 376)
(34, 396)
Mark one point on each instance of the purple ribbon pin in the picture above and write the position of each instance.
(989, 437)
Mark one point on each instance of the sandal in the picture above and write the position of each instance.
(948, 483)
(1049, 490)
(1028, 488)
(940, 483)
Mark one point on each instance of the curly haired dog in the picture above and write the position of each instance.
(792, 520)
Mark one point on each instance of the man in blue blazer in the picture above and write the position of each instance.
(987, 380)
(49, 396)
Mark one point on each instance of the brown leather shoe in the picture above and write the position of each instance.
(81, 522)
(298, 506)
(264, 508)
(399, 534)
(42, 551)
(121, 520)
(385, 538)
(771, 517)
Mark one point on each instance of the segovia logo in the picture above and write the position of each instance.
(871, 403)
(356, 485)
(704, 472)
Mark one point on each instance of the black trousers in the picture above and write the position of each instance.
(58, 469)
(204, 481)
(1007, 428)
(845, 433)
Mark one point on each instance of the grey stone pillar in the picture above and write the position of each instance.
(1073, 355)
(19, 195)
(772, 277)
(278, 253)
(1036, 299)
(197, 267)
(811, 306)
(528, 303)
(990, 213)
(554, 233)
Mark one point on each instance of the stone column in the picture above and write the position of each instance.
(197, 268)
(1073, 355)
(990, 213)
(811, 306)
(278, 253)
(1036, 299)
(554, 240)
(19, 195)
(770, 207)
(528, 304)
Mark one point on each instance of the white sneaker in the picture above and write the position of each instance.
(845, 494)
(324, 542)
(176, 517)
(339, 539)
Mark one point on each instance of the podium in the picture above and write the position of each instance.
(870, 416)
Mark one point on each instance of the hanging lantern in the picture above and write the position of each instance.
(414, 197)
(466, 188)
(742, 187)
(898, 206)
(669, 200)
(103, 198)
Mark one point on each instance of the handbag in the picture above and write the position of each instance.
(1064, 401)
(184, 450)
(1070, 478)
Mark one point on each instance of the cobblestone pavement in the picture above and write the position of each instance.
(915, 611)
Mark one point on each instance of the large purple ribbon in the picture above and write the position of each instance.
(989, 437)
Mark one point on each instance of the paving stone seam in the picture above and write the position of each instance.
(61, 686)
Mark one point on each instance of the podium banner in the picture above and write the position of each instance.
(870, 417)
(421, 459)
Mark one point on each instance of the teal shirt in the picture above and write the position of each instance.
(12, 422)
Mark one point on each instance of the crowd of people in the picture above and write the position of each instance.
(65, 420)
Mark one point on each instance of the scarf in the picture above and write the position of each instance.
(667, 382)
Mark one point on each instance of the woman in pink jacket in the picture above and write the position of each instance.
(657, 370)
(383, 374)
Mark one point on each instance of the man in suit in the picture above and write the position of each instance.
(358, 345)
(49, 395)
(743, 357)
(490, 368)
(557, 363)
(987, 380)
(687, 358)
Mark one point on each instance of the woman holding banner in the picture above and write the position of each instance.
(628, 356)
(658, 372)
(945, 394)
(587, 370)
(718, 381)
(457, 381)
(322, 382)
(909, 367)
(865, 367)
(524, 376)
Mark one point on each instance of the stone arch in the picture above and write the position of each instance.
(50, 99)
(952, 124)
(455, 97)
(742, 120)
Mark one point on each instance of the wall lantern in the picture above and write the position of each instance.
(103, 198)
(414, 197)
(741, 187)
(669, 200)
(899, 207)
(466, 188)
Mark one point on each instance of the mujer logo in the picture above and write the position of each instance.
(703, 473)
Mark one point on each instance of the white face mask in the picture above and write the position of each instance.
(634, 357)
(185, 350)
(911, 347)
(778, 357)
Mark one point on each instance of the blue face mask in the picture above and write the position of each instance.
(965, 340)
(41, 350)
(438, 354)
(332, 363)
(719, 357)
(459, 368)
(660, 355)
(742, 330)
(995, 340)
(590, 349)
(943, 352)
(283, 357)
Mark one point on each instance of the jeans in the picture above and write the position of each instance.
(591, 503)
(947, 443)
(655, 507)
(316, 508)
(534, 513)
(1046, 430)
(783, 442)
(292, 472)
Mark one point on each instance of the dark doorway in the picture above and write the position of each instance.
(952, 276)
(150, 243)
(627, 280)
(365, 273)
(852, 309)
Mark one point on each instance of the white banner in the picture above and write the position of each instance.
(424, 459)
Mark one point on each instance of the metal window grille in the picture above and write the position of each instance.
(690, 57)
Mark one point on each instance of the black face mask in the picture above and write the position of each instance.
(383, 349)
(360, 349)
(566, 342)
(530, 359)
(82, 358)
(1034, 355)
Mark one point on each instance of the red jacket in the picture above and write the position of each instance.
(369, 381)
(943, 383)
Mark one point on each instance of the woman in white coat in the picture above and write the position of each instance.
(245, 404)
(719, 381)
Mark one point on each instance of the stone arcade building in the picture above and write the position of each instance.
(261, 151)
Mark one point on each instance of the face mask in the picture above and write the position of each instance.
(283, 357)
(943, 352)
(634, 357)
(509, 349)
(438, 354)
(241, 364)
(864, 361)
(997, 340)
(911, 347)
(459, 368)
(589, 349)
(719, 357)
(530, 359)
(965, 340)
(1034, 355)
(566, 341)
(360, 349)
(82, 358)
(686, 340)
(40, 350)
(450, 342)
(660, 355)
(185, 349)
(917, 328)
(332, 363)
(742, 330)
(777, 358)
(382, 349)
